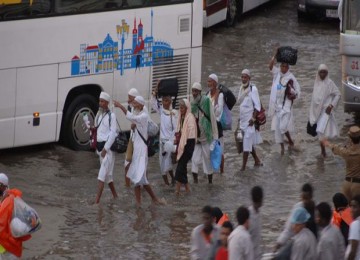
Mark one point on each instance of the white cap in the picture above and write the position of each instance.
(246, 72)
(140, 100)
(105, 96)
(133, 92)
(197, 86)
(4, 179)
(214, 77)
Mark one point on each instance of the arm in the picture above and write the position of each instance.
(154, 103)
(194, 250)
(271, 63)
(287, 233)
(136, 119)
(113, 134)
(213, 121)
(219, 108)
(354, 245)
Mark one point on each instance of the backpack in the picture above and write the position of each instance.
(229, 97)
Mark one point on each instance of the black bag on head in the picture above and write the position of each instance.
(169, 87)
(229, 97)
(287, 55)
(311, 130)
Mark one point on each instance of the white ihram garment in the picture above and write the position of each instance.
(168, 121)
(325, 93)
(106, 132)
(249, 100)
(280, 107)
(138, 167)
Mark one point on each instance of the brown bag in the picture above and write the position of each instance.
(129, 151)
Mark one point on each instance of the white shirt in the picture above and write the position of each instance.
(331, 244)
(250, 100)
(354, 234)
(218, 105)
(304, 246)
(255, 231)
(168, 120)
(106, 131)
(239, 244)
(200, 248)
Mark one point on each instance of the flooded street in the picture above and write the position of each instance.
(61, 184)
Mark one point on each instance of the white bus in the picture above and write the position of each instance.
(216, 11)
(350, 51)
(58, 55)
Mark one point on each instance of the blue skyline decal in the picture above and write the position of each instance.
(108, 56)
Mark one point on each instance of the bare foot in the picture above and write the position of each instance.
(258, 164)
(242, 169)
(282, 151)
(161, 201)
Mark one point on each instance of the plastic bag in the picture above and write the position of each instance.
(153, 128)
(226, 118)
(25, 220)
(215, 155)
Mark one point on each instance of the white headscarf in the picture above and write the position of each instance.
(322, 89)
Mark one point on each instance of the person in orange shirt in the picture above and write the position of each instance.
(9, 245)
(219, 217)
(342, 215)
(223, 253)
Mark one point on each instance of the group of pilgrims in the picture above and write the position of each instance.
(191, 132)
(311, 232)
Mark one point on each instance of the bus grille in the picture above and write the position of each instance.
(173, 67)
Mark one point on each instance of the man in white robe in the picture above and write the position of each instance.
(168, 121)
(304, 241)
(249, 107)
(331, 245)
(137, 171)
(325, 98)
(285, 88)
(131, 96)
(105, 121)
(239, 242)
(217, 101)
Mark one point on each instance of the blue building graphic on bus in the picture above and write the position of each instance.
(109, 56)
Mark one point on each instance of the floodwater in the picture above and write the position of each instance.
(61, 184)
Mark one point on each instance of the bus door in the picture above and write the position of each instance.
(7, 107)
(36, 100)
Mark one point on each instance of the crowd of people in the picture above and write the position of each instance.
(311, 232)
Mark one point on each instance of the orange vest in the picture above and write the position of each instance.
(10, 243)
(344, 215)
(223, 219)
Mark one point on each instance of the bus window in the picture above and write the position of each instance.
(10, 10)
(352, 14)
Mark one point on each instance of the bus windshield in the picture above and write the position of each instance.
(352, 17)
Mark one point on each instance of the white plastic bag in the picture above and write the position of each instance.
(25, 220)
(153, 128)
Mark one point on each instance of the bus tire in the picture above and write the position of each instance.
(239, 8)
(74, 134)
(231, 13)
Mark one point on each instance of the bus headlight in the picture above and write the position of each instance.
(350, 79)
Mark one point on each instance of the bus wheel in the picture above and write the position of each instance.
(239, 8)
(74, 132)
(231, 13)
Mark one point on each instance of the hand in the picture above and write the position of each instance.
(251, 122)
(276, 247)
(103, 153)
(133, 126)
(116, 103)
(328, 109)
